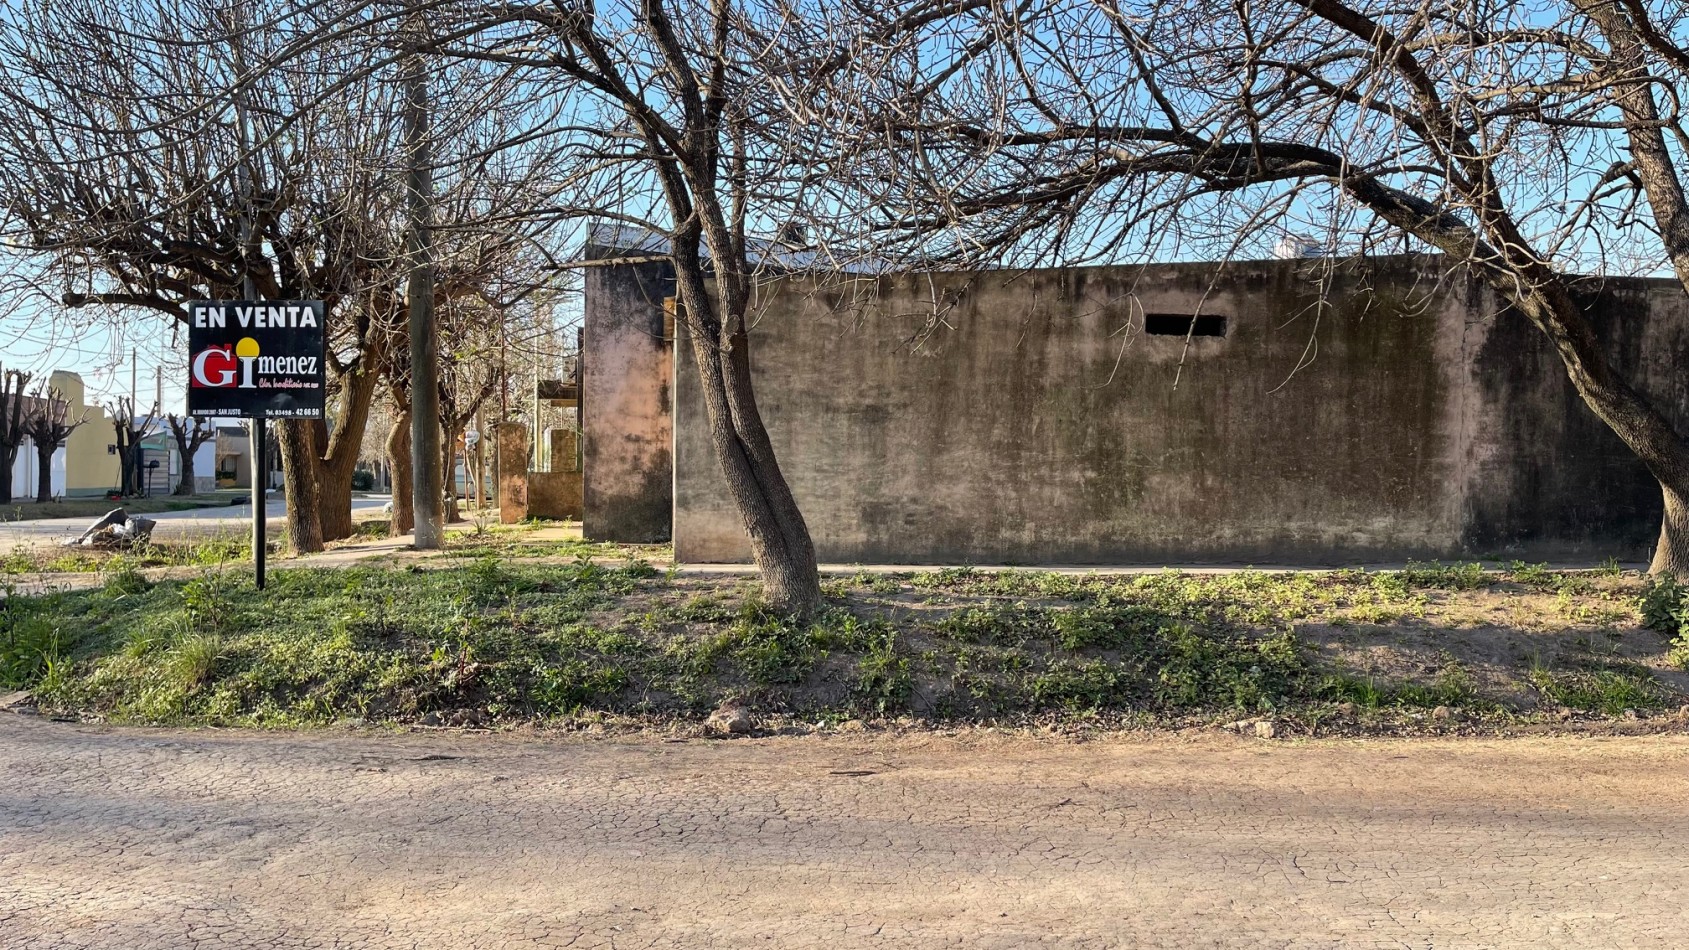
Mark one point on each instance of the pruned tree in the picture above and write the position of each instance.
(1525, 143)
(12, 417)
(126, 187)
(131, 431)
(190, 433)
(48, 425)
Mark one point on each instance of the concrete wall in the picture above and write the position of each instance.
(1028, 418)
(555, 495)
(626, 408)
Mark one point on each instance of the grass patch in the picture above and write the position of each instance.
(56, 559)
(1609, 688)
(490, 638)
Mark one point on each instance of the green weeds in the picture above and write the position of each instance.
(496, 638)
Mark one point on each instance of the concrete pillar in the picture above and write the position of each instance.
(512, 449)
(565, 454)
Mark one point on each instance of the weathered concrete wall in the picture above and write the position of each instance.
(1028, 418)
(554, 495)
(626, 406)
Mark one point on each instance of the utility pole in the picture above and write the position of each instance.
(427, 486)
(535, 466)
(257, 432)
(136, 452)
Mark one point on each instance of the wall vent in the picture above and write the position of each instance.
(1179, 324)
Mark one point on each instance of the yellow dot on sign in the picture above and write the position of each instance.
(247, 347)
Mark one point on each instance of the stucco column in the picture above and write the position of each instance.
(512, 449)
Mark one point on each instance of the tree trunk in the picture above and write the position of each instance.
(8, 458)
(339, 457)
(185, 484)
(1671, 554)
(44, 477)
(399, 464)
(448, 476)
(300, 465)
(130, 469)
(780, 542)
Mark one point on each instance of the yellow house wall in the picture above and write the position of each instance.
(88, 469)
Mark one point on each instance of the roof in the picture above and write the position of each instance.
(786, 254)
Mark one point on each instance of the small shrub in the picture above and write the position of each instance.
(1609, 688)
(1365, 693)
(1010, 624)
(1105, 626)
(210, 607)
(1085, 685)
(564, 688)
(122, 579)
(883, 681)
(29, 639)
(194, 659)
(1665, 605)
(1463, 576)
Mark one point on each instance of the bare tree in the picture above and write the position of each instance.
(652, 102)
(12, 418)
(125, 189)
(131, 430)
(1525, 143)
(48, 426)
(190, 433)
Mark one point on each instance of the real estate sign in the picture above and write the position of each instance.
(258, 359)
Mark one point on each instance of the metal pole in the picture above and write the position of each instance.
(256, 429)
(427, 488)
(260, 481)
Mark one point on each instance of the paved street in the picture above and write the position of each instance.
(195, 522)
(130, 839)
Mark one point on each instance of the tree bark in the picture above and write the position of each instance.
(8, 458)
(448, 477)
(340, 460)
(780, 542)
(301, 462)
(1671, 554)
(399, 463)
(44, 476)
(185, 484)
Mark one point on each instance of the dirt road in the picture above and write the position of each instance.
(130, 839)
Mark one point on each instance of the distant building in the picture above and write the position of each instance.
(87, 464)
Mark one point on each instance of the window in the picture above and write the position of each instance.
(1179, 324)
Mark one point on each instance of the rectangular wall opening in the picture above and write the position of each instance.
(1180, 324)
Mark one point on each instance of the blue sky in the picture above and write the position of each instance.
(40, 339)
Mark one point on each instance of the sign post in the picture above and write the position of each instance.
(256, 360)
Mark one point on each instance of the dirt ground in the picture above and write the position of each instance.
(135, 839)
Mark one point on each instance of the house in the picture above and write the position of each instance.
(87, 464)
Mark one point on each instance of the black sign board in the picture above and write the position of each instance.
(258, 359)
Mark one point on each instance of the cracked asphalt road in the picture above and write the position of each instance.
(135, 839)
